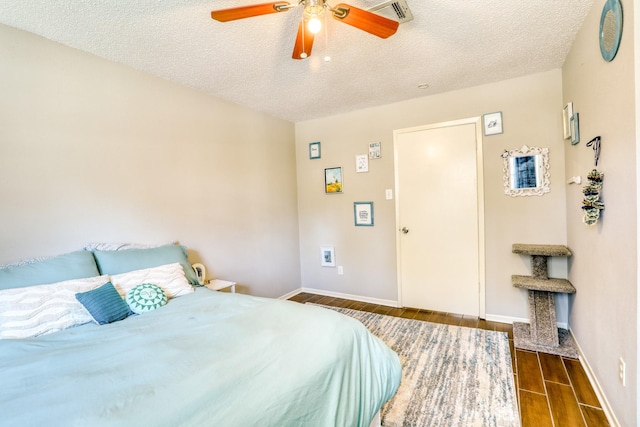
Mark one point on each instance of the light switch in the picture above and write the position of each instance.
(389, 194)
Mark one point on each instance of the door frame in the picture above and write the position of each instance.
(480, 201)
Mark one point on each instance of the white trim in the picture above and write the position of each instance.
(606, 407)
(505, 319)
(636, 61)
(387, 302)
(480, 205)
(482, 258)
(511, 320)
(291, 294)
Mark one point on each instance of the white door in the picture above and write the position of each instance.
(439, 217)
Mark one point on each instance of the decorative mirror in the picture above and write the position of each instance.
(526, 171)
(610, 29)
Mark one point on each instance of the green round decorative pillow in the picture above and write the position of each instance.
(146, 297)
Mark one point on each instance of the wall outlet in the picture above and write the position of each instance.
(340, 271)
(622, 372)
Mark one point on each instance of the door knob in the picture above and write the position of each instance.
(405, 230)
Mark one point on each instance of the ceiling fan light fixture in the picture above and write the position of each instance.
(314, 25)
(313, 11)
(314, 8)
(310, 22)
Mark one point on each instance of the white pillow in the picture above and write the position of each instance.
(169, 277)
(42, 309)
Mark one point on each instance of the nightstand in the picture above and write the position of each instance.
(218, 284)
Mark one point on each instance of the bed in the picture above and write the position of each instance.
(204, 358)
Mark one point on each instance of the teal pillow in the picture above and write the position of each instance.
(146, 297)
(124, 261)
(74, 265)
(104, 304)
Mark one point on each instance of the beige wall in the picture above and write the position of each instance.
(603, 268)
(531, 109)
(93, 151)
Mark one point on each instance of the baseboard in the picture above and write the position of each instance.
(291, 294)
(391, 303)
(386, 302)
(606, 407)
(512, 320)
(505, 319)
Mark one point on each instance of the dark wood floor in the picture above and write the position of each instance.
(552, 390)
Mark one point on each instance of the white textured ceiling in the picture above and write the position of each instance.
(449, 45)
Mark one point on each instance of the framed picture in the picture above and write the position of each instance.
(328, 257)
(314, 150)
(374, 150)
(492, 123)
(362, 163)
(363, 213)
(333, 180)
(567, 112)
(575, 129)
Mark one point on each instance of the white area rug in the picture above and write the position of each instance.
(451, 375)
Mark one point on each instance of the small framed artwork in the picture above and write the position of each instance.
(328, 256)
(492, 123)
(362, 163)
(314, 150)
(575, 129)
(567, 112)
(363, 214)
(374, 150)
(333, 180)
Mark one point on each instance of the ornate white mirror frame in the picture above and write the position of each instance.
(526, 171)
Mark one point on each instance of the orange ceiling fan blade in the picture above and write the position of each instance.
(225, 15)
(304, 43)
(365, 20)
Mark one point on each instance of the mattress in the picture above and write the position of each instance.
(204, 359)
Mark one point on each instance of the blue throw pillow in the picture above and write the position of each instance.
(146, 297)
(74, 265)
(104, 304)
(124, 261)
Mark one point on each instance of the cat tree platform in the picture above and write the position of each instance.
(542, 333)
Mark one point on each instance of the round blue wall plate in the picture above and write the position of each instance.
(610, 29)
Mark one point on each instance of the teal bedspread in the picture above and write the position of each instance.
(204, 359)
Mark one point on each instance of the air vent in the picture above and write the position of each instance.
(398, 10)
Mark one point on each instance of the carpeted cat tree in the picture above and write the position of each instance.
(542, 334)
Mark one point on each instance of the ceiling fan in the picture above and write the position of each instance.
(313, 11)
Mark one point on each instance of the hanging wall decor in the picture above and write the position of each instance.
(591, 203)
(574, 124)
(362, 163)
(328, 258)
(526, 171)
(567, 112)
(610, 29)
(374, 150)
(492, 123)
(595, 144)
(314, 150)
(333, 180)
(363, 213)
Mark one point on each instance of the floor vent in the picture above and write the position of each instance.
(398, 10)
